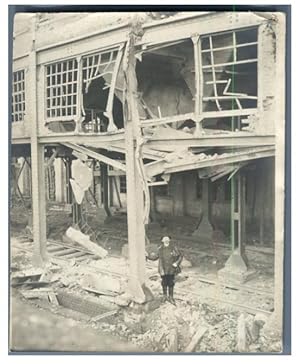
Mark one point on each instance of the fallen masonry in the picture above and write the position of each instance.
(193, 325)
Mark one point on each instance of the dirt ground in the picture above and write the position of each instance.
(37, 329)
(199, 302)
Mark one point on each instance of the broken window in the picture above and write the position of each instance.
(166, 80)
(229, 69)
(18, 96)
(61, 90)
(97, 75)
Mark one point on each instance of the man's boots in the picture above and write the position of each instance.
(171, 298)
(165, 297)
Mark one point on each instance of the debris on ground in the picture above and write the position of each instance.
(84, 240)
(201, 324)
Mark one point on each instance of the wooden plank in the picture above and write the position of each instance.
(233, 96)
(245, 61)
(78, 254)
(213, 73)
(96, 140)
(55, 249)
(104, 315)
(167, 120)
(95, 155)
(195, 340)
(172, 340)
(65, 252)
(231, 47)
(199, 80)
(109, 104)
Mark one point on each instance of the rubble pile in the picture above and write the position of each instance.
(191, 325)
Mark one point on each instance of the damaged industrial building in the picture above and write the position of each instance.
(127, 127)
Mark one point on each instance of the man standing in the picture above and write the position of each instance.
(168, 266)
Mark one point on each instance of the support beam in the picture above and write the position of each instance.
(158, 167)
(234, 139)
(135, 203)
(37, 163)
(98, 156)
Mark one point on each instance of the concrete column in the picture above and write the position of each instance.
(37, 162)
(204, 230)
(236, 267)
(21, 177)
(136, 229)
(275, 325)
(38, 203)
(135, 203)
(60, 180)
(178, 194)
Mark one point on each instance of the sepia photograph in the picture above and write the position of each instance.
(147, 177)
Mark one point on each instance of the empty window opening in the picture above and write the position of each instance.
(97, 74)
(229, 69)
(18, 96)
(166, 81)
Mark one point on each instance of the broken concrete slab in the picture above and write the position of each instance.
(185, 263)
(105, 285)
(36, 293)
(84, 240)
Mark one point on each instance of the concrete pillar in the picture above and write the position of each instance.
(38, 204)
(204, 230)
(135, 203)
(60, 180)
(21, 182)
(178, 194)
(236, 267)
(153, 211)
(136, 229)
(37, 161)
(275, 325)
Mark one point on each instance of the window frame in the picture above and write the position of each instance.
(235, 47)
(79, 80)
(19, 93)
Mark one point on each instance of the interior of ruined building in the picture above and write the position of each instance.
(193, 189)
